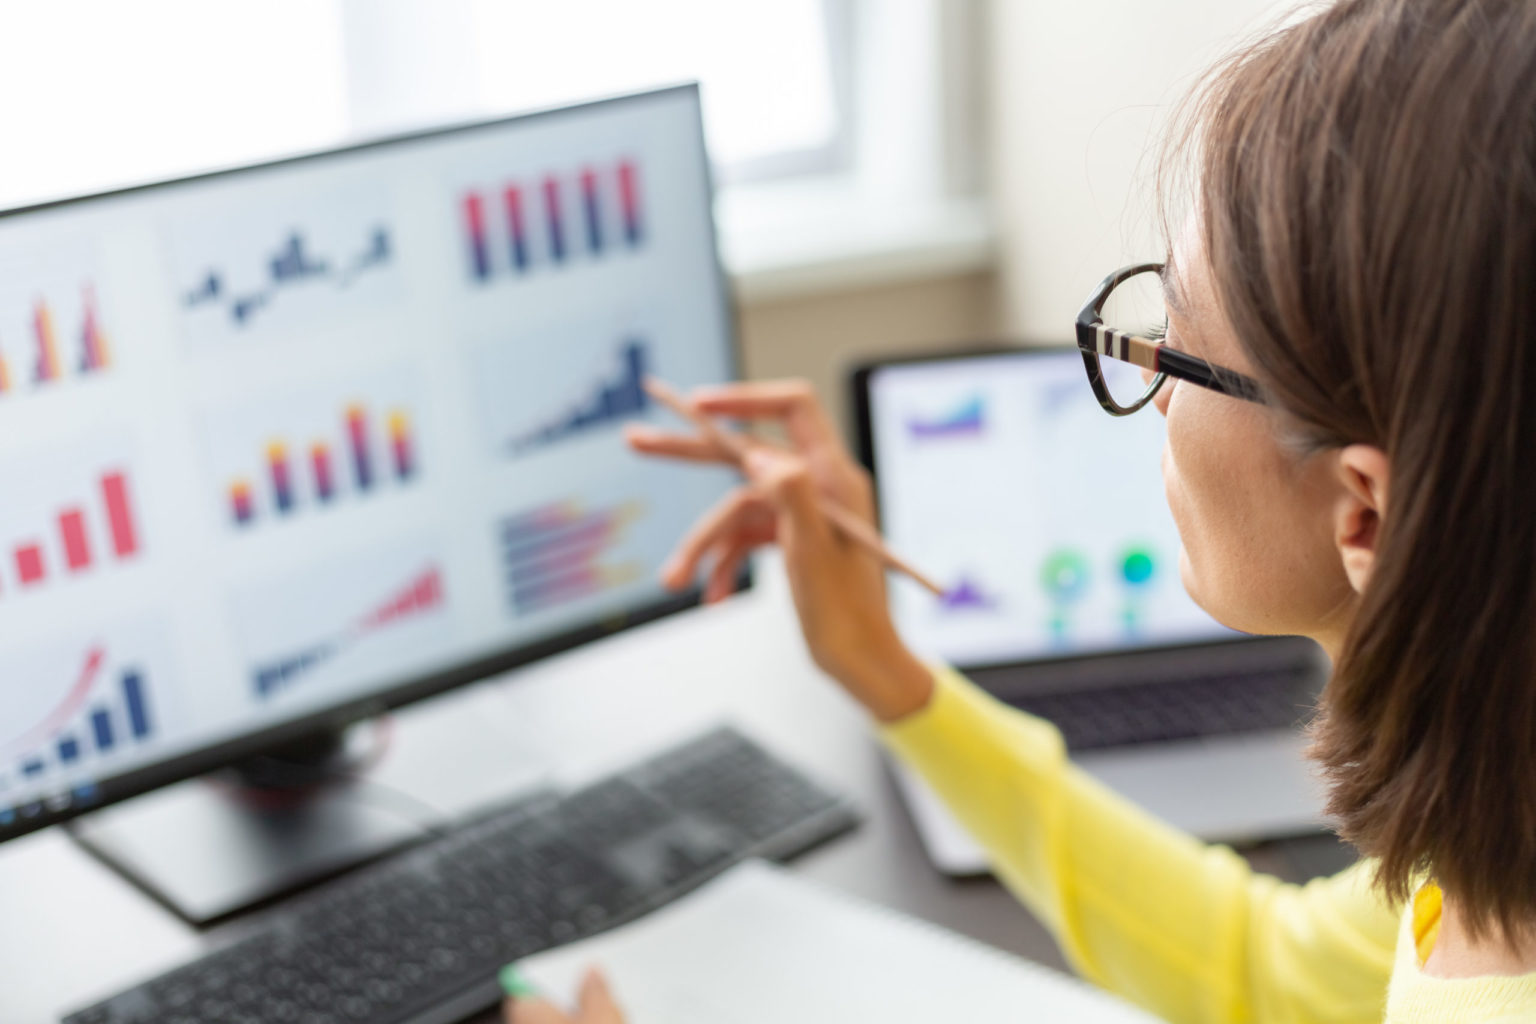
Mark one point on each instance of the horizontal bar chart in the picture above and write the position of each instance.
(562, 552)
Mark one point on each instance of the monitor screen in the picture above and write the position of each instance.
(1044, 516)
(335, 432)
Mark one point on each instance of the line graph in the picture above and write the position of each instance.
(285, 262)
(356, 619)
(420, 595)
(292, 264)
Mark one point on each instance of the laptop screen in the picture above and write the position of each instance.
(1044, 516)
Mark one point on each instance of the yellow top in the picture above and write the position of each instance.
(1184, 929)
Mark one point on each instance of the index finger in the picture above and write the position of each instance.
(791, 402)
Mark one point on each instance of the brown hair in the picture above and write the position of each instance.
(1367, 191)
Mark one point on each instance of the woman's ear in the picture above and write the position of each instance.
(1360, 510)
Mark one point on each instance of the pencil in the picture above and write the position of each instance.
(847, 523)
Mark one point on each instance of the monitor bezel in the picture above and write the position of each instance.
(225, 753)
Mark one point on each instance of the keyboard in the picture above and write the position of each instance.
(1177, 709)
(418, 938)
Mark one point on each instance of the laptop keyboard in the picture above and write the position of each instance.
(1176, 709)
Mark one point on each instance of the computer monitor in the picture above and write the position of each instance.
(290, 444)
(1044, 516)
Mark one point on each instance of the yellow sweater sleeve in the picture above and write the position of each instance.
(1182, 928)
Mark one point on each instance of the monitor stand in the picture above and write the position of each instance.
(227, 842)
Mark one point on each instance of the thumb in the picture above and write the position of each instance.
(786, 479)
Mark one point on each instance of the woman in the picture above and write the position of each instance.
(1364, 249)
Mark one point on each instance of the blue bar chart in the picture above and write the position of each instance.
(608, 401)
(104, 709)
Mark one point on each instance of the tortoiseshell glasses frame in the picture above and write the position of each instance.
(1097, 341)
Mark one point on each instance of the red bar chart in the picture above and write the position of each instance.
(547, 219)
(64, 547)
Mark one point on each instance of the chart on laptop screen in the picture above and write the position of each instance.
(283, 438)
(1042, 515)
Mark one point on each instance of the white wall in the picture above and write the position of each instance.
(1080, 88)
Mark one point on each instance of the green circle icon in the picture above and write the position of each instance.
(1065, 575)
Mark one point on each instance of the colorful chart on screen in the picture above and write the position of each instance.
(541, 391)
(1043, 516)
(53, 325)
(68, 519)
(94, 702)
(369, 616)
(531, 221)
(573, 552)
(323, 450)
(262, 269)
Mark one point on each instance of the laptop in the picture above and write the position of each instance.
(998, 473)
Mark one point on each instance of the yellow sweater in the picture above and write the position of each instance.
(1184, 929)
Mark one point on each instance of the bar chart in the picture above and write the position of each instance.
(539, 221)
(301, 454)
(542, 391)
(564, 551)
(612, 398)
(52, 337)
(83, 534)
(85, 703)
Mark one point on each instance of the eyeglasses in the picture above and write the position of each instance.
(1126, 319)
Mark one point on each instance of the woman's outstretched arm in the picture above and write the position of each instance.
(1180, 927)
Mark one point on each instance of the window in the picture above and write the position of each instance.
(770, 96)
(100, 93)
(831, 121)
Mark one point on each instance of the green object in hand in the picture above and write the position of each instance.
(515, 985)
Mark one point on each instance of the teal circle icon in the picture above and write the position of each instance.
(1137, 567)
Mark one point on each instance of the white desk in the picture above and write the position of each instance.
(72, 931)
